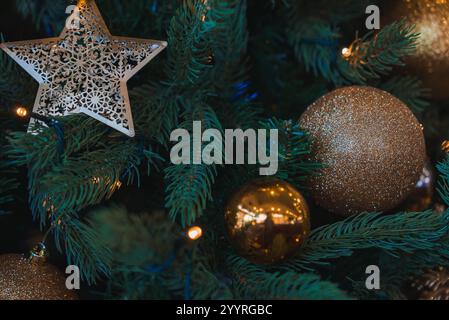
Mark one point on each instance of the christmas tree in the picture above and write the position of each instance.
(353, 91)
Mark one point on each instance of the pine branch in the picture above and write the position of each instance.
(150, 260)
(294, 148)
(188, 54)
(46, 14)
(399, 233)
(15, 84)
(336, 12)
(410, 90)
(158, 108)
(92, 166)
(376, 54)
(443, 182)
(189, 189)
(315, 44)
(253, 282)
(397, 271)
(140, 246)
(7, 185)
(83, 247)
(82, 176)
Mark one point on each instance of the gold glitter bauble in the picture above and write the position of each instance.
(267, 221)
(22, 279)
(372, 148)
(421, 198)
(431, 60)
(434, 285)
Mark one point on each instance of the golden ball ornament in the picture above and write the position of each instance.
(421, 197)
(371, 147)
(431, 59)
(22, 278)
(433, 285)
(267, 221)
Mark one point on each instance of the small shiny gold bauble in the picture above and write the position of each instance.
(22, 279)
(371, 146)
(431, 60)
(434, 285)
(267, 221)
(421, 198)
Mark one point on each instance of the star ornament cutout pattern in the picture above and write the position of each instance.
(85, 69)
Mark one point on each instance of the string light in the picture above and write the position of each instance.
(116, 185)
(22, 112)
(195, 233)
(346, 53)
(96, 180)
(356, 52)
(207, 8)
(445, 146)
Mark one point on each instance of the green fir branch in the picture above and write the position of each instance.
(410, 90)
(375, 54)
(88, 171)
(7, 186)
(294, 150)
(151, 261)
(46, 14)
(315, 44)
(15, 84)
(189, 189)
(399, 233)
(253, 282)
(443, 182)
(83, 247)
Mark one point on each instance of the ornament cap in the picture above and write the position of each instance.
(38, 253)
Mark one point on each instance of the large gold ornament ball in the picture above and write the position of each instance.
(431, 60)
(22, 279)
(267, 221)
(371, 147)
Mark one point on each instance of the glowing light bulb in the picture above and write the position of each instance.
(346, 53)
(21, 112)
(195, 233)
(445, 146)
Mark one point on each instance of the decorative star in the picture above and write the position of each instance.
(85, 69)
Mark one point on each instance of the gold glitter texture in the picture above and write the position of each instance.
(434, 285)
(267, 221)
(371, 145)
(431, 61)
(22, 279)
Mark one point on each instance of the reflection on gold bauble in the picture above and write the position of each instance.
(371, 146)
(431, 60)
(421, 197)
(434, 285)
(25, 279)
(267, 221)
